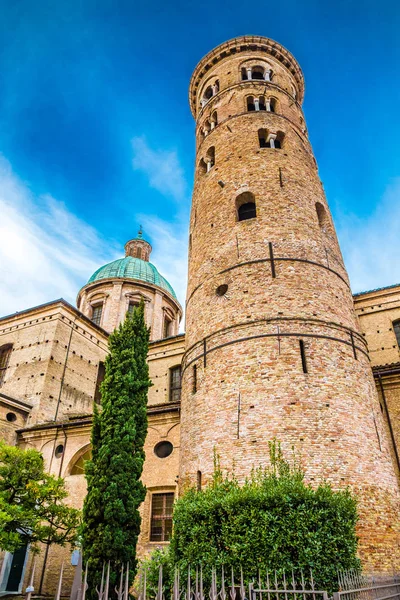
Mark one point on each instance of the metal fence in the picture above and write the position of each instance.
(357, 586)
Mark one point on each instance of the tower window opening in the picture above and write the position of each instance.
(261, 103)
(214, 120)
(323, 219)
(257, 72)
(246, 206)
(202, 166)
(244, 74)
(250, 104)
(210, 158)
(175, 384)
(194, 381)
(97, 311)
(161, 517)
(262, 138)
(221, 289)
(11, 417)
(303, 356)
(5, 353)
(396, 329)
(272, 105)
(199, 481)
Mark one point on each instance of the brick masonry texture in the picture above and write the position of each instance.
(245, 344)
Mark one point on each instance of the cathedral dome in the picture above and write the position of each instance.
(132, 268)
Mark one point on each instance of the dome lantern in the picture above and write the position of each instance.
(138, 247)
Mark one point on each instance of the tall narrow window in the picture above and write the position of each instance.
(210, 158)
(167, 327)
(199, 481)
(131, 306)
(244, 74)
(175, 384)
(262, 138)
(194, 382)
(262, 103)
(161, 517)
(246, 206)
(5, 352)
(100, 376)
(250, 104)
(303, 356)
(396, 329)
(96, 313)
(257, 73)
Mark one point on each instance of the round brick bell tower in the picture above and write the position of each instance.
(273, 347)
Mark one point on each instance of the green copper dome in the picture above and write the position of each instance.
(132, 268)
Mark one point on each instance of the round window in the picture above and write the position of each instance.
(11, 417)
(59, 451)
(163, 449)
(221, 289)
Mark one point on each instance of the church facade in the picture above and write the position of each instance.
(276, 345)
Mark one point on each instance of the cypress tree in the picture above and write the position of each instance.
(111, 520)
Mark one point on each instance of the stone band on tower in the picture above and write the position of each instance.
(273, 347)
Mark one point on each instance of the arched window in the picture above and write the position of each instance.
(167, 327)
(257, 72)
(5, 353)
(261, 103)
(250, 103)
(214, 119)
(79, 466)
(246, 206)
(396, 329)
(323, 219)
(244, 74)
(279, 140)
(210, 158)
(208, 93)
(272, 105)
(138, 252)
(262, 138)
(202, 166)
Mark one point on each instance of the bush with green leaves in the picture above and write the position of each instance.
(274, 521)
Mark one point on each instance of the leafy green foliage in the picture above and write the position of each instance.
(31, 502)
(274, 521)
(111, 520)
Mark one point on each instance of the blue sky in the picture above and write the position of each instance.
(96, 135)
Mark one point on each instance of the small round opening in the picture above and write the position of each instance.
(11, 417)
(163, 449)
(221, 289)
(59, 451)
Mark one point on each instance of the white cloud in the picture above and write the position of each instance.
(169, 241)
(45, 251)
(161, 167)
(371, 246)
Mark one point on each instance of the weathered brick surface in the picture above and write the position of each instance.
(253, 387)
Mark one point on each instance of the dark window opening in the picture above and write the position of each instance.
(396, 329)
(194, 383)
(161, 517)
(247, 211)
(262, 103)
(303, 356)
(163, 449)
(272, 105)
(101, 371)
(257, 73)
(96, 314)
(221, 289)
(244, 74)
(175, 384)
(5, 353)
(11, 417)
(199, 481)
(278, 144)
(250, 104)
(202, 166)
(131, 306)
(208, 93)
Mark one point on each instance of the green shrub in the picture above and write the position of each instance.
(274, 521)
